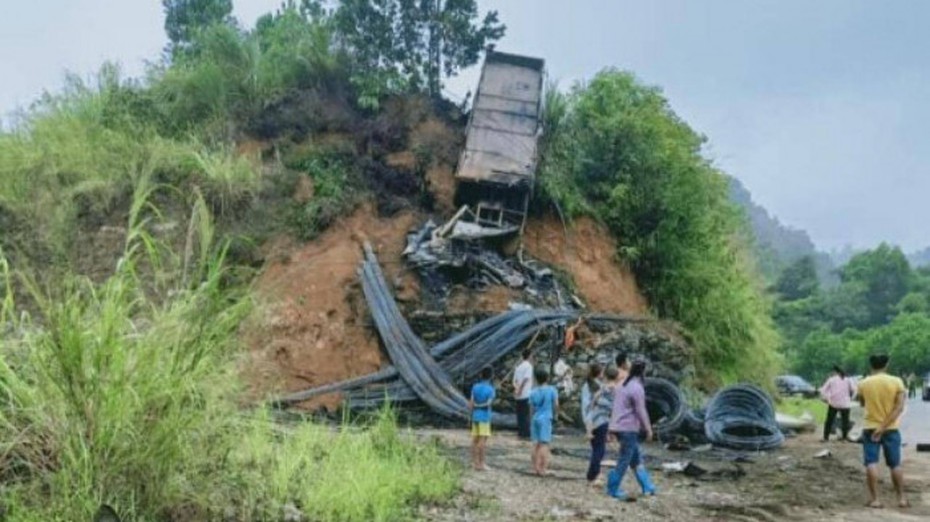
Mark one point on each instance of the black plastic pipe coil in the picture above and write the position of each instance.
(742, 417)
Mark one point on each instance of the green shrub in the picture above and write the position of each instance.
(228, 76)
(618, 152)
(297, 52)
(73, 156)
(334, 181)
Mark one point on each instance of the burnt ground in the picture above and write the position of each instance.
(787, 484)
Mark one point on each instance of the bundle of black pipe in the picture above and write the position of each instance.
(482, 349)
(666, 406)
(692, 427)
(439, 351)
(410, 357)
(429, 381)
(462, 356)
(742, 417)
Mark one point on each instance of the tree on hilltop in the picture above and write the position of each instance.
(184, 18)
(414, 43)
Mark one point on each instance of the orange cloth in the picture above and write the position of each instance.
(570, 335)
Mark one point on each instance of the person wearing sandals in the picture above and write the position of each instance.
(882, 395)
(598, 419)
(628, 419)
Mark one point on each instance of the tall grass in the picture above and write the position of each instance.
(115, 397)
(82, 152)
(373, 474)
(112, 395)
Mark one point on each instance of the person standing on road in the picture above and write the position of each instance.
(545, 403)
(628, 419)
(882, 396)
(601, 405)
(523, 386)
(838, 392)
(911, 386)
(482, 395)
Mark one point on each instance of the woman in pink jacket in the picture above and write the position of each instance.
(838, 392)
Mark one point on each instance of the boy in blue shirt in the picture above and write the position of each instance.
(544, 401)
(482, 394)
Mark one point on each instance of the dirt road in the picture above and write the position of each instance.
(787, 484)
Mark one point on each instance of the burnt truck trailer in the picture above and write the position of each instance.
(497, 169)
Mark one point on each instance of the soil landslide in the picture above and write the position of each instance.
(587, 252)
(310, 325)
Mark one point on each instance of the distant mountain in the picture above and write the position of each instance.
(841, 256)
(920, 258)
(778, 245)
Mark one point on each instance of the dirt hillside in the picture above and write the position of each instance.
(587, 252)
(311, 325)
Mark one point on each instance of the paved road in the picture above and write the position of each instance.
(915, 426)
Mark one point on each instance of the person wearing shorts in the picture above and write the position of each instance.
(882, 395)
(544, 401)
(482, 395)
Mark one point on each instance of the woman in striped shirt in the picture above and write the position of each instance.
(597, 418)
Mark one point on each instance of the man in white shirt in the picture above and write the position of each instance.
(564, 377)
(522, 386)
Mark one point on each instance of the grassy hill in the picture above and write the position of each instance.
(137, 212)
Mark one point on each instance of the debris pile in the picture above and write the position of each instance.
(437, 376)
(462, 250)
(429, 375)
(437, 373)
(604, 336)
(739, 417)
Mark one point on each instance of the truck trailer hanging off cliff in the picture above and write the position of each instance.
(497, 168)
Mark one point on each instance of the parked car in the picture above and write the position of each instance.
(926, 389)
(792, 385)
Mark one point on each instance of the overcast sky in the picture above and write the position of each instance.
(820, 107)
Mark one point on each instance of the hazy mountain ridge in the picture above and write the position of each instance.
(778, 245)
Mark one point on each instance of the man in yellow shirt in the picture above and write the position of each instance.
(882, 395)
